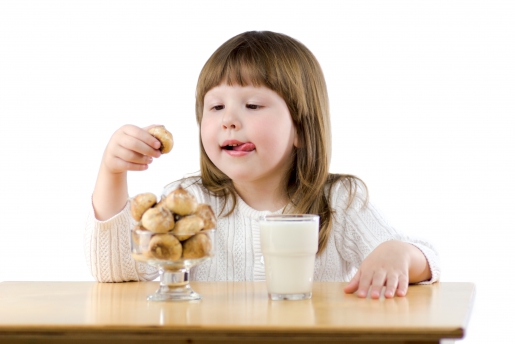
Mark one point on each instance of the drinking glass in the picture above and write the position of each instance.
(289, 244)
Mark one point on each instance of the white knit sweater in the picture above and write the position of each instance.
(356, 232)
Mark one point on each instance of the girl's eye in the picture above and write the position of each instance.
(218, 107)
(253, 106)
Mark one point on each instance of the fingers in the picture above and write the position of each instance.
(129, 166)
(131, 149)
(392, 282)
(138, 146)
(402, 289)
(387, 265)
(375, 281)
(364, 283)
(377, 284)
(140, 141)
(353, 284)
(131, 156)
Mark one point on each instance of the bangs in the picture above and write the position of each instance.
(243, 69)
(242, 66)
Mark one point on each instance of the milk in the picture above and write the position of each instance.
(289, 244)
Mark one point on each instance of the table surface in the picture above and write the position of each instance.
(228, 311)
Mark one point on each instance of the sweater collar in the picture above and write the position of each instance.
(252, 213)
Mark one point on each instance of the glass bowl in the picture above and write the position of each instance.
(173, 256)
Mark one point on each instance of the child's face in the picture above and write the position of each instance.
(257, 121)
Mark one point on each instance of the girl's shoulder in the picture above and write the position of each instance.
(346, 191)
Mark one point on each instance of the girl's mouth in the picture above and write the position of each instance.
(240, 147)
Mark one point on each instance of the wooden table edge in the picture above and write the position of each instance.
(470, 307)
(219, 333)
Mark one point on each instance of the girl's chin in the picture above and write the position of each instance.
(240, 176)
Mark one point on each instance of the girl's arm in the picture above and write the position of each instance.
(129, 149)
(111, 193)
(108, 250)
(107, 235)
(381, 255)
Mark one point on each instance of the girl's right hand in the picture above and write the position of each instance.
(130, 149)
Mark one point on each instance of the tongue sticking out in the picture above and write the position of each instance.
(246, 147)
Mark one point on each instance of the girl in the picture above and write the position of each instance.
(262, 108)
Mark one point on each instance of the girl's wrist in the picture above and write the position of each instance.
(110, 194)
(418, 267)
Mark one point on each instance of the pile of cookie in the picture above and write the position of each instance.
(176, 226)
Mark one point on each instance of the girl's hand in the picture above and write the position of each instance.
(387, 265)
(130, 149)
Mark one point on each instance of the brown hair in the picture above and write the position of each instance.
(286, 66)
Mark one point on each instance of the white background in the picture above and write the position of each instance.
(422, 99)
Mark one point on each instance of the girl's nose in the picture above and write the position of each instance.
(230, 120)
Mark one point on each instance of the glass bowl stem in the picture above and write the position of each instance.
(174, 285)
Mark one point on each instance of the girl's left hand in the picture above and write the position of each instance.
(387, 265)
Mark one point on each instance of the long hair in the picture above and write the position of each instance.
(286, 66)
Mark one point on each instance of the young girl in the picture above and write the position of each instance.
(262, 108)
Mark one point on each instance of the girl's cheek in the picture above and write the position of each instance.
(203, 128)
(207, 137)
(203, 139)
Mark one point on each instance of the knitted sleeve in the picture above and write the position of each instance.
(361, 228)
(108, 250)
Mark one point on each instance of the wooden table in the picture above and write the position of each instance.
(83, 312)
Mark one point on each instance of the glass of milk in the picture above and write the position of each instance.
(289, 244)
